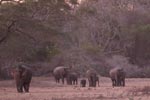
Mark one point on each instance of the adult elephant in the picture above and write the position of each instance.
(60, 73)
(117, 76)
(92, 77)
(22, 75)
(72, 78)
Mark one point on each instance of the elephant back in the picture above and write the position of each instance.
(114, 72)
(90, 72)
(60, 70)
(22, 72)
(73, 75)
(27, 74)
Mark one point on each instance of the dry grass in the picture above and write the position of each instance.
(46, 89)
(140, 91)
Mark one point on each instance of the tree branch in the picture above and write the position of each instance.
(108, 42)
(29, 36)
(8, 32)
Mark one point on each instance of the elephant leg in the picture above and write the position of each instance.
(57, 80)
(90, 83)
(94, 83)
(68, 80)
(98, 83)
(19, 86)
(63, 80)
(123, 82)
(118, 82)
(72, 82)
(26, 87)
(113, 82)
(76, 82)
(19, 89)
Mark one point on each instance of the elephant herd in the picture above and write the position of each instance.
(60, 73)
(117, 76)
(23, 75)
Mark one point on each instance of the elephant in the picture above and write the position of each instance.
(121, 77)
(117, 76)
(92, 77)
(22, 75)
(83, 83)
(60, 72)
(97, 80)
(72, 78)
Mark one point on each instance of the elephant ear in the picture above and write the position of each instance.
(12, 71)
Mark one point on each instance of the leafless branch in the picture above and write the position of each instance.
(24, 33)
(8, 32)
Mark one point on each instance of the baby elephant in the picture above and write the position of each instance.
(22, 75)
(83, 83)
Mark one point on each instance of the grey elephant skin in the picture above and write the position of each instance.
(22, 75)
(60, 72)
(83, 82)
(72, 78)
(92, 77)
(117, 76)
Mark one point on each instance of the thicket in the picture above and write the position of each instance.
(98, 34)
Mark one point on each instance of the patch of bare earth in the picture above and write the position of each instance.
(45, 88)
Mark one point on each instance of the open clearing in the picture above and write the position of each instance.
(45, 88)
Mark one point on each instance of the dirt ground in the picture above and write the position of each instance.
(45, 88)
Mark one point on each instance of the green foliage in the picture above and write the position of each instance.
(91, 48)
(94, 28)
(87, 11)
(141, 29)
(43, 53)
(52, 51)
